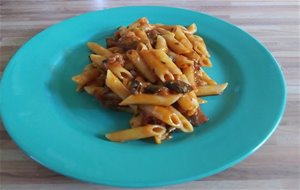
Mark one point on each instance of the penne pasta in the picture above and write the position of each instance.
(150, 99)
(163, 114)
(98, 49)
(181, 37)
(201, 101)
(192, 28)
(156, 66)
(210, 89)
(167, 61)
(161, 44)
(189, 73)
(143, 37)
(186, 125)
(180, 60)
(175, 45)
(136, 133)
(97, 59)
(116, 85)
(188, 103)
(206, 77)
(155, 72)
(119, 71)
(85, 77)
(141, 66)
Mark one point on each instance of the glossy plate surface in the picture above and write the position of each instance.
(64, 130)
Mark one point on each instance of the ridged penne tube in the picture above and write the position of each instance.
(138, 23)
(95, 90)
(141, 47)
(143, 36)
(210, 89)
(163, 114)
(186, 125)
(164, 31)
(85, 77)
(207, 78)
(161, 43)
(181, 37)
(97, 59)
(201, 41)
(88, 67)
(141, 66)
(156, 66)
(192, 28)
(194, 99)
(119, 71)
(116, 50)
(167, 61)
(116, 85)
(136, 133)
(166, 27)
(175, 45)
(201, 101)
(98, 49)
(193, 56)
(190, 75)
(188, 103)
(198, 45)
(180, 60)
(205, 62)
(150, 99)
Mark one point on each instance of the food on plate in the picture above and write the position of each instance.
(154, 71)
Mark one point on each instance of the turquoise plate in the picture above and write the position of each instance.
(64, 130)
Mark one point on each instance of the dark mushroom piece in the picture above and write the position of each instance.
(178, 86)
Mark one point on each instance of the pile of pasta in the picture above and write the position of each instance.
(154, 71)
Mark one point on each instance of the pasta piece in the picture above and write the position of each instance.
(180, 60)
(163, 114)
(165, 27)
(205, 62)
(210, 89)
(166, 60)
(143, 36)
(85, 77)
(135, 58)
(156, 66)
(163, 31)
(207, 78)
(116, 85)
(192, 28)
(186, 125)
(119, 71)
(180, 36)
(161, 44)
(141, 47)
(98, 49)
(95, 90)
(175, 45)
(188, 102)
(97, 59)
(136, 133)
(116, 50)
(189, 73)
(142, 23)
(150, 99)
(193, 56)
(201, 101)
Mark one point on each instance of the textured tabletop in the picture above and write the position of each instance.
(274, 22)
